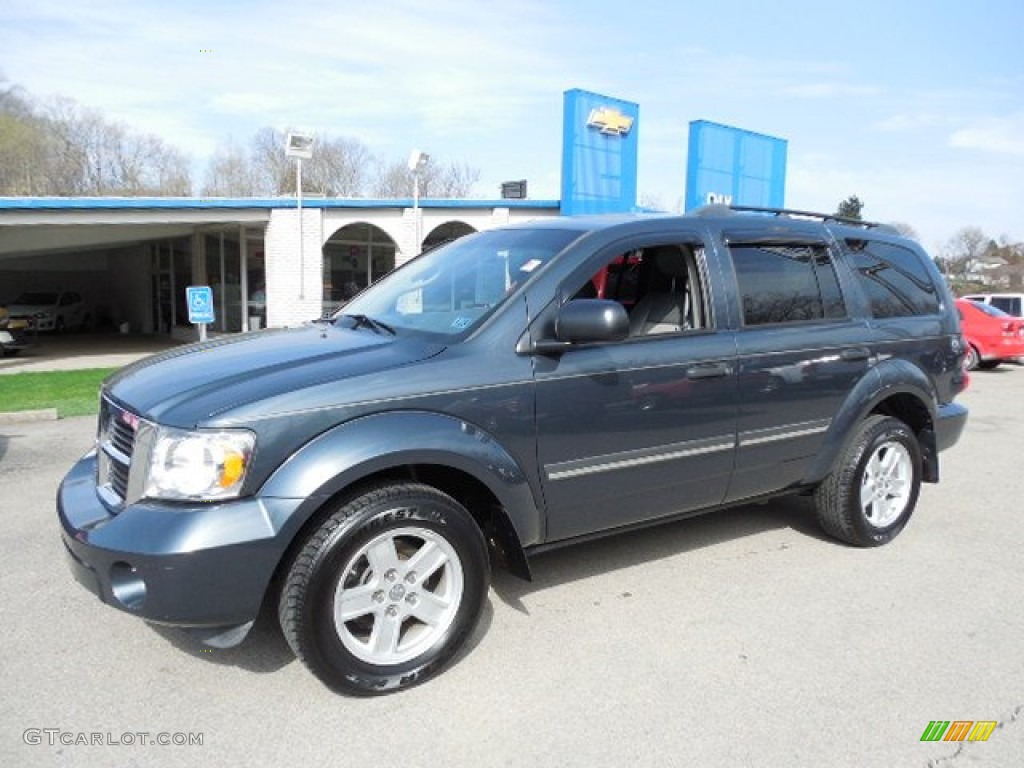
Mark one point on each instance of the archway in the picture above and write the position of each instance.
(355, 256)
(444, 233)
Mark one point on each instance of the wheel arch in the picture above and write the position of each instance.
(894, 388)
(451, 455)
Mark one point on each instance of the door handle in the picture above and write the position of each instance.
(708, 371)
(855, 353)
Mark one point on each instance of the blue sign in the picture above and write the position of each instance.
(732, 166)
(599, 153)
(200, 303)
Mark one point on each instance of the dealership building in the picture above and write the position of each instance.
(281, 261)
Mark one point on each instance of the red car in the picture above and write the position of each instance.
(992, 335)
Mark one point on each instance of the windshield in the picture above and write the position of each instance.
(36, 298)
(450, 290)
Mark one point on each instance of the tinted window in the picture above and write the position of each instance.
(786, 283)
(1008, 304)
(894, 278)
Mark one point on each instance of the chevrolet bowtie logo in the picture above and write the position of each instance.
(610, 121)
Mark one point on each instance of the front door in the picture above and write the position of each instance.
(643, 428)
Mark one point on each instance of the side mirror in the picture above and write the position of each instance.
(586, 320)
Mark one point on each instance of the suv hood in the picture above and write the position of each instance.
(188, 385)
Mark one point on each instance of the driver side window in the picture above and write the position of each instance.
(660, 286)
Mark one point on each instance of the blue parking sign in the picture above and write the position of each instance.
(200, 303)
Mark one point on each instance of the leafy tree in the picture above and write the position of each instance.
(850, 208)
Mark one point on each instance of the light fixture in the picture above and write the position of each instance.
(299, 145)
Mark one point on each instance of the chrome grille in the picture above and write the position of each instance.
(116, 446)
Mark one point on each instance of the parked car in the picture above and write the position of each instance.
(13, 334)
(993, 336)
(1011, 303)
(50, 310)
(511, 392)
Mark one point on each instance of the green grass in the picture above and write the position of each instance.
(72, 393)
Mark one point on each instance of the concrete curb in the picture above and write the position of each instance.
(16, 417)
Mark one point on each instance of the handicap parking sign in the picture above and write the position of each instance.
(200, 303)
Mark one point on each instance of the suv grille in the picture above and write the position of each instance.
(116, 444)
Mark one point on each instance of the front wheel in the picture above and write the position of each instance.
(871, 493)
(386, 590)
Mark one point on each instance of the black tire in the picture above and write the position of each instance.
(988, 365)
(871, 492)
(386, 645)
(971, 358)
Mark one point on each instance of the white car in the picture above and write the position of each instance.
(50, 311)
(1010, 303)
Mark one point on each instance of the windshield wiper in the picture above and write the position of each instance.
(375, 325)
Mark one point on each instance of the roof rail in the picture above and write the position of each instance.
(791, 213)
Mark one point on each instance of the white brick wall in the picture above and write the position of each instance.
(286, 308)
(294, 287)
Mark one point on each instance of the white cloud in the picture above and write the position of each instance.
(1004, 135)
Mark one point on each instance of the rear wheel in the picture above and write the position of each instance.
(386, 590)
(871, 493)
(972, 358)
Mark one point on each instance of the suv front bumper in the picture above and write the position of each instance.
(198, 566)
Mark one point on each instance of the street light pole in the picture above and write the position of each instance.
(417, 161)
(299, 146)
(298, 205)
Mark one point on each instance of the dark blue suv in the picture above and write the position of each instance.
(514, 390)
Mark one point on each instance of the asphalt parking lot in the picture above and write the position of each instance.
(743, 638)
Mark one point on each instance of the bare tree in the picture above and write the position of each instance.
(905, 229)
(276, 172)
(437, 180)
(392, 180)
(964, 247)
(339, 167)
(232, 173)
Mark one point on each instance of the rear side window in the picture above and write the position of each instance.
(786, 283)
(1008, 304)
(894, 278)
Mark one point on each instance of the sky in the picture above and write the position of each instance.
(916, 107)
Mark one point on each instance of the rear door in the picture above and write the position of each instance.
(799, 354)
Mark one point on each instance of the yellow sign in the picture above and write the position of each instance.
(609, 121)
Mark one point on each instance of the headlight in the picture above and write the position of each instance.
(198, 466)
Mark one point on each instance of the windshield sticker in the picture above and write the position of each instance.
(461, 322)
(531, 265)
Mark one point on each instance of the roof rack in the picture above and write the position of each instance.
(792, 213)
